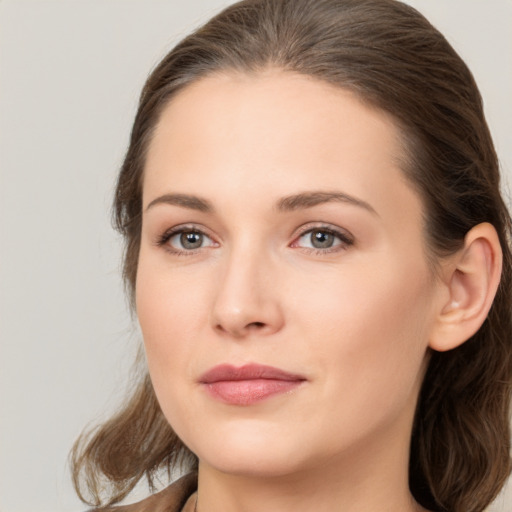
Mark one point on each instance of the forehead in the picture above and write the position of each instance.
(274, 109)
(278, 131)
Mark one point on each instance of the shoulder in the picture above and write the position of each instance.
(171, 499)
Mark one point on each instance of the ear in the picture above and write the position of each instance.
(470, 278)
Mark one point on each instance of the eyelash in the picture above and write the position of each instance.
(162, 240)
(345, 239)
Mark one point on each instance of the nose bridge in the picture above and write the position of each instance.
(246, 299)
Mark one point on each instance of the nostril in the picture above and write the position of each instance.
(256, 325)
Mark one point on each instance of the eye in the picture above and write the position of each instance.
(323, 239)
(183, 240)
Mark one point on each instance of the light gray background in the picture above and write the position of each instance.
(70, 74)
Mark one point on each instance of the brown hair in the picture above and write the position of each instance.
(391, 57)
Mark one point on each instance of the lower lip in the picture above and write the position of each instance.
(247, 392)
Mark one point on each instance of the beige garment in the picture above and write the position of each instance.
(190, 505)
(180, 496)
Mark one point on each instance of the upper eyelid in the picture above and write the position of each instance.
(188, 227)
(306, 228)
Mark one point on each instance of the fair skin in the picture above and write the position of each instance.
(261, 269)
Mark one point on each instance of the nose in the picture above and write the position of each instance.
(247, 301)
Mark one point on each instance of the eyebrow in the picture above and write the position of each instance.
(310, 199)
(300, 201)
(183, 200)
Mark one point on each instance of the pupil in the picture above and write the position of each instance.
(191, 240)
(322, 240)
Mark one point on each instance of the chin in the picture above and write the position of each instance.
(255, 452)
(252, 463)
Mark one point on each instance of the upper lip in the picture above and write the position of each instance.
(227, 372)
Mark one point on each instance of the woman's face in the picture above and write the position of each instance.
(282, 290)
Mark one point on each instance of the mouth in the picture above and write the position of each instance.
(248, 384)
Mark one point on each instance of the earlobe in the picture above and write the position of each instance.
(472, 278)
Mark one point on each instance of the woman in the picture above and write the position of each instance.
(317, 252)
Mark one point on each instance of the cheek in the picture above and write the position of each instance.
(170, 311)
(171, 308)
(372, 327)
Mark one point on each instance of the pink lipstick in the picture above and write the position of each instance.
(248, 384)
